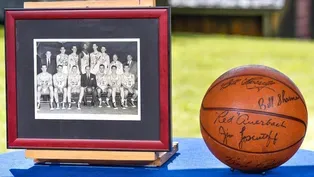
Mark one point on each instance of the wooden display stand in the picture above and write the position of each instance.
(130, 158)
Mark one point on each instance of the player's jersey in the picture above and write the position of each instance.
(115, 81)
(63, 59)
(119, 66)
(105, 60)
(74, 80)
(128, 80)
(94, 62)
(84, 61)
(44, 79)
(59, 80)
(94, 57)
(73, 61)
(102, 80)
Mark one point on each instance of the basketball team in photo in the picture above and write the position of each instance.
(74, 78)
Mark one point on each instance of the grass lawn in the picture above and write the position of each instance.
(197, 60)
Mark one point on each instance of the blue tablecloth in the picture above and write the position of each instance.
(192, 160)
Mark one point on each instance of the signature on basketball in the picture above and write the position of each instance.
(225, 135)
(266, 164)
(281, 99)
(227, 117)
(237, 161)
(229, 83)
(257, 83)
(270, 137)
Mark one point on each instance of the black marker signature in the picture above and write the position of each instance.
(283, 99)
(268, 164)
(266, 105)
(229, 83)
(244, 119)
(222, 118)
(257, 83)
(237, 161)
(225, 134)
(270, 137)
(226, 117)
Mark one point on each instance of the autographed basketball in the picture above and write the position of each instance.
(253, 118)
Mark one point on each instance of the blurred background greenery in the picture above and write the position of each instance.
(209, 39)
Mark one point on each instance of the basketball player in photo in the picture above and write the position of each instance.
(44, 86)
(74, 84)
(128, 82)
(115, 86)
(94, 59)
(102, 85)
(63, 60)
(105, 59)
(59, 83)
(117, 63)
(73, 59)
(84, 59)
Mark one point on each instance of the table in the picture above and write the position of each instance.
(192, 159)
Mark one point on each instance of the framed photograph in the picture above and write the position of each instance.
(88, 78)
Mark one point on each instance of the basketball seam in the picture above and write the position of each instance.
(257, 112)
(303, 101)
(269, 152)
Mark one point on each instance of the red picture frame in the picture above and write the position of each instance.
(162, 14)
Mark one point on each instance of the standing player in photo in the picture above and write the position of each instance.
(102, 85)
(84, 59)
(59, 82)
(115, 86)
(117, 63)
(63, 60)
(74, 84)
(105, 59)
(94, 59)
(44, 86)
(73, 59)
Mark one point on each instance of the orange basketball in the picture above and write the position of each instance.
(253, 118)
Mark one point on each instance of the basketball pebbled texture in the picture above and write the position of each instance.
(253, 118)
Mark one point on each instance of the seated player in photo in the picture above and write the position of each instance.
(63, 60)
(60, 83)
(115, 86)
(102, 85)
(74, 84)
(128, 83)
(44, 86)
(117, 63)
(88, 86)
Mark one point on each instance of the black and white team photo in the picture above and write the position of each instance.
(87, 79)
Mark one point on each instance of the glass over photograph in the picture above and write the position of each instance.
(87, 79)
